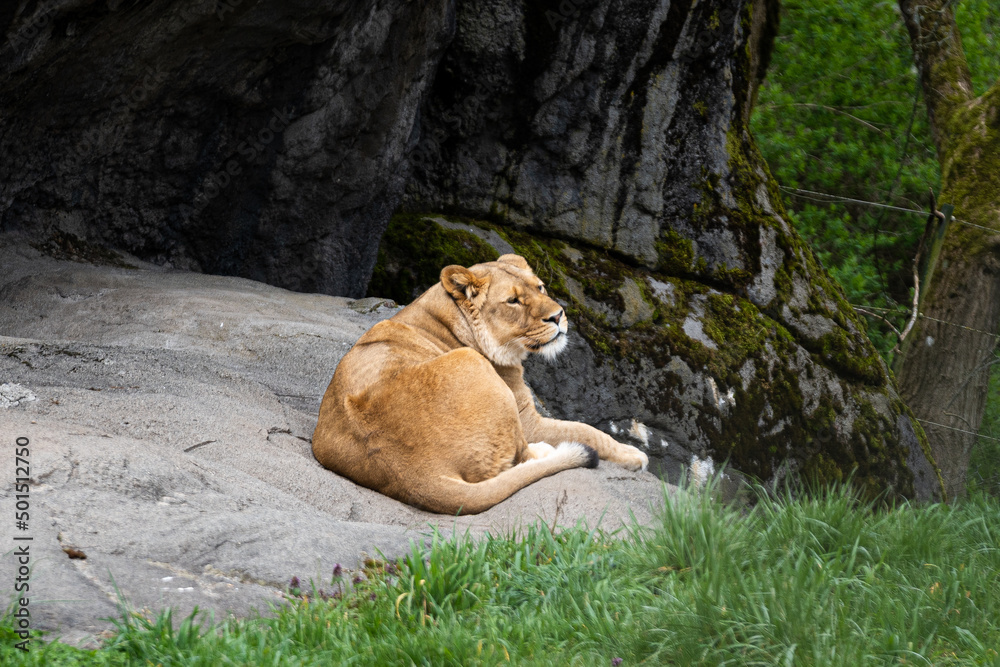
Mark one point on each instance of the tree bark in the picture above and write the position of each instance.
(944, 366)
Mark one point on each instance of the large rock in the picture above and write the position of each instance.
(610, 139)
(260, 139)
(694, 375)
(169, 416)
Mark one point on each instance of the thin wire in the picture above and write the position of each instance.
(960, 430)
(830, 198)
(887, 310)
(960, 326)
(926, 317)
(855, 201)
(972, 224)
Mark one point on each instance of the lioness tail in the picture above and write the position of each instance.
(473, 498)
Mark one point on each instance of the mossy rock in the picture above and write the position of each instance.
(699, 371)
(704, 326)
(411, 252)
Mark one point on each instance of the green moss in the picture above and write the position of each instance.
(732, 276)
(838, 350)
(821, 470)
(970, 175)
(63, 245)
(736, 326)
(713, 20)
(765, 426)
(413, 251)
(675, 254)
(847, 353)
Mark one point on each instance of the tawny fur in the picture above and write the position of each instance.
(430, 406)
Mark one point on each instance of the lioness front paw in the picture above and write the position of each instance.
(631, 457)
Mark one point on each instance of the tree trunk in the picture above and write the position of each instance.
(944, 368)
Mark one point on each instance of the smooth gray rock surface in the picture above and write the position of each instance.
(169, 416)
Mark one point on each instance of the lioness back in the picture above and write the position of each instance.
(429, 407)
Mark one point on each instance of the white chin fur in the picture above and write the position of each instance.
(551, 350)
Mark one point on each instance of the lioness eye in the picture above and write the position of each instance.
(541, 288)
(513, 300)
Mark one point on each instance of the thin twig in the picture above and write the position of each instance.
(559, 505)
(864, 311)
(200, 444)
(952, 414)
(932, 218)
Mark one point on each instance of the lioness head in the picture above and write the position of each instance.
(508, 309)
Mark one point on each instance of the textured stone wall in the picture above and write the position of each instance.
(255, 138)
(610, 139)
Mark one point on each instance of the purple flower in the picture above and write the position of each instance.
(616, 661)
(357, 580)
(372, 597)
(294, 583)
(337, 571)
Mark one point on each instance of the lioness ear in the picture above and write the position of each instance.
(515, 260)
(461, 283)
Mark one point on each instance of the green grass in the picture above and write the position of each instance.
(818, 581)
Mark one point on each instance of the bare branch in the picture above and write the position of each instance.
(869, 313)
(916, 301)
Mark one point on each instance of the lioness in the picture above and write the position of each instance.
(430, 406)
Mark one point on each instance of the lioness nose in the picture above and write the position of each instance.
(555, 318)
